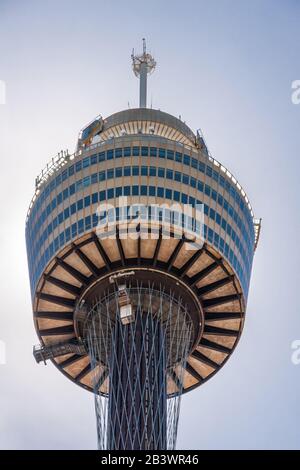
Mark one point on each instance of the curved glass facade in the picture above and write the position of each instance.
(151, 168)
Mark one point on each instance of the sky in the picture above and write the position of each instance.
(225, 66)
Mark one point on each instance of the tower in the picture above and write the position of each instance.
(140, 248)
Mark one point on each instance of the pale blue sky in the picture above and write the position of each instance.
(225, 66)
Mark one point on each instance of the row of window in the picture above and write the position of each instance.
(160, 172)
(89, 222)
(144, 151)
(136, 190)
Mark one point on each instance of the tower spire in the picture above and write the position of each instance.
(142, 65)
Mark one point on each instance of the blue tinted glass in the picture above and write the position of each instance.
(110, 154)
(144, 171)
(110, 174)
(94, 198)
(170, 174)
(126, 190)
(118, 153)
(135, 171)
(152, 171)
(101, 157)
(178, 157)
(186, 159)
(170, 155)
(71, 170)
(78, 166)
(127, 170)
(110, 193)
(145, 151)
(153, 151)
(127, 152)
(136, 151)
(135, 190)
(162, 153)
(151, 190)
(160, 192)
(118, 172)
(161, 172)
(143, 190)
(86, 162)
(93, 159)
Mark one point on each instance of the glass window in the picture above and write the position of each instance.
(193, 182)
(110, 154)
(102, 196)
(135, 190)
(170, 174)
(66, 212)
(78, 166)
(59, 196)
(153, 151)
(110, 174)
(136, 151)
(71, 170)
(86, 181)
(86, 162)
(101, 156)
(151, 190)
(200, 186)
(170, 155)
(87, 222)
(177, 176)
(60, 217)
(94, 198)
(194, 163)
(207, 190)
(119, 191)
(126, 190)
(94, 178)
(208, 171)
(118, 172)
(176, 196)
(135, 171)
(127, 171)
(161, 153)
(73, 208)
(185, 179)
(102, 176)
(127, 151)
(186, 159)
(160, 192)
(178, 157)
(143, 190)
(64, 175)
(168, 194)
(66, 193)
(80, 226)
(87, 201)
(79, 204)
(152, 171)
(144, 171)
(93, 159)
(110, 193)
(118, 152)
(161, 172)
(184, 198)
(145, 151)
(201, 167)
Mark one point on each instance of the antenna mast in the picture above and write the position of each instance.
(143, 65)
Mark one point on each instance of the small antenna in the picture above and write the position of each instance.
(143, 65)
